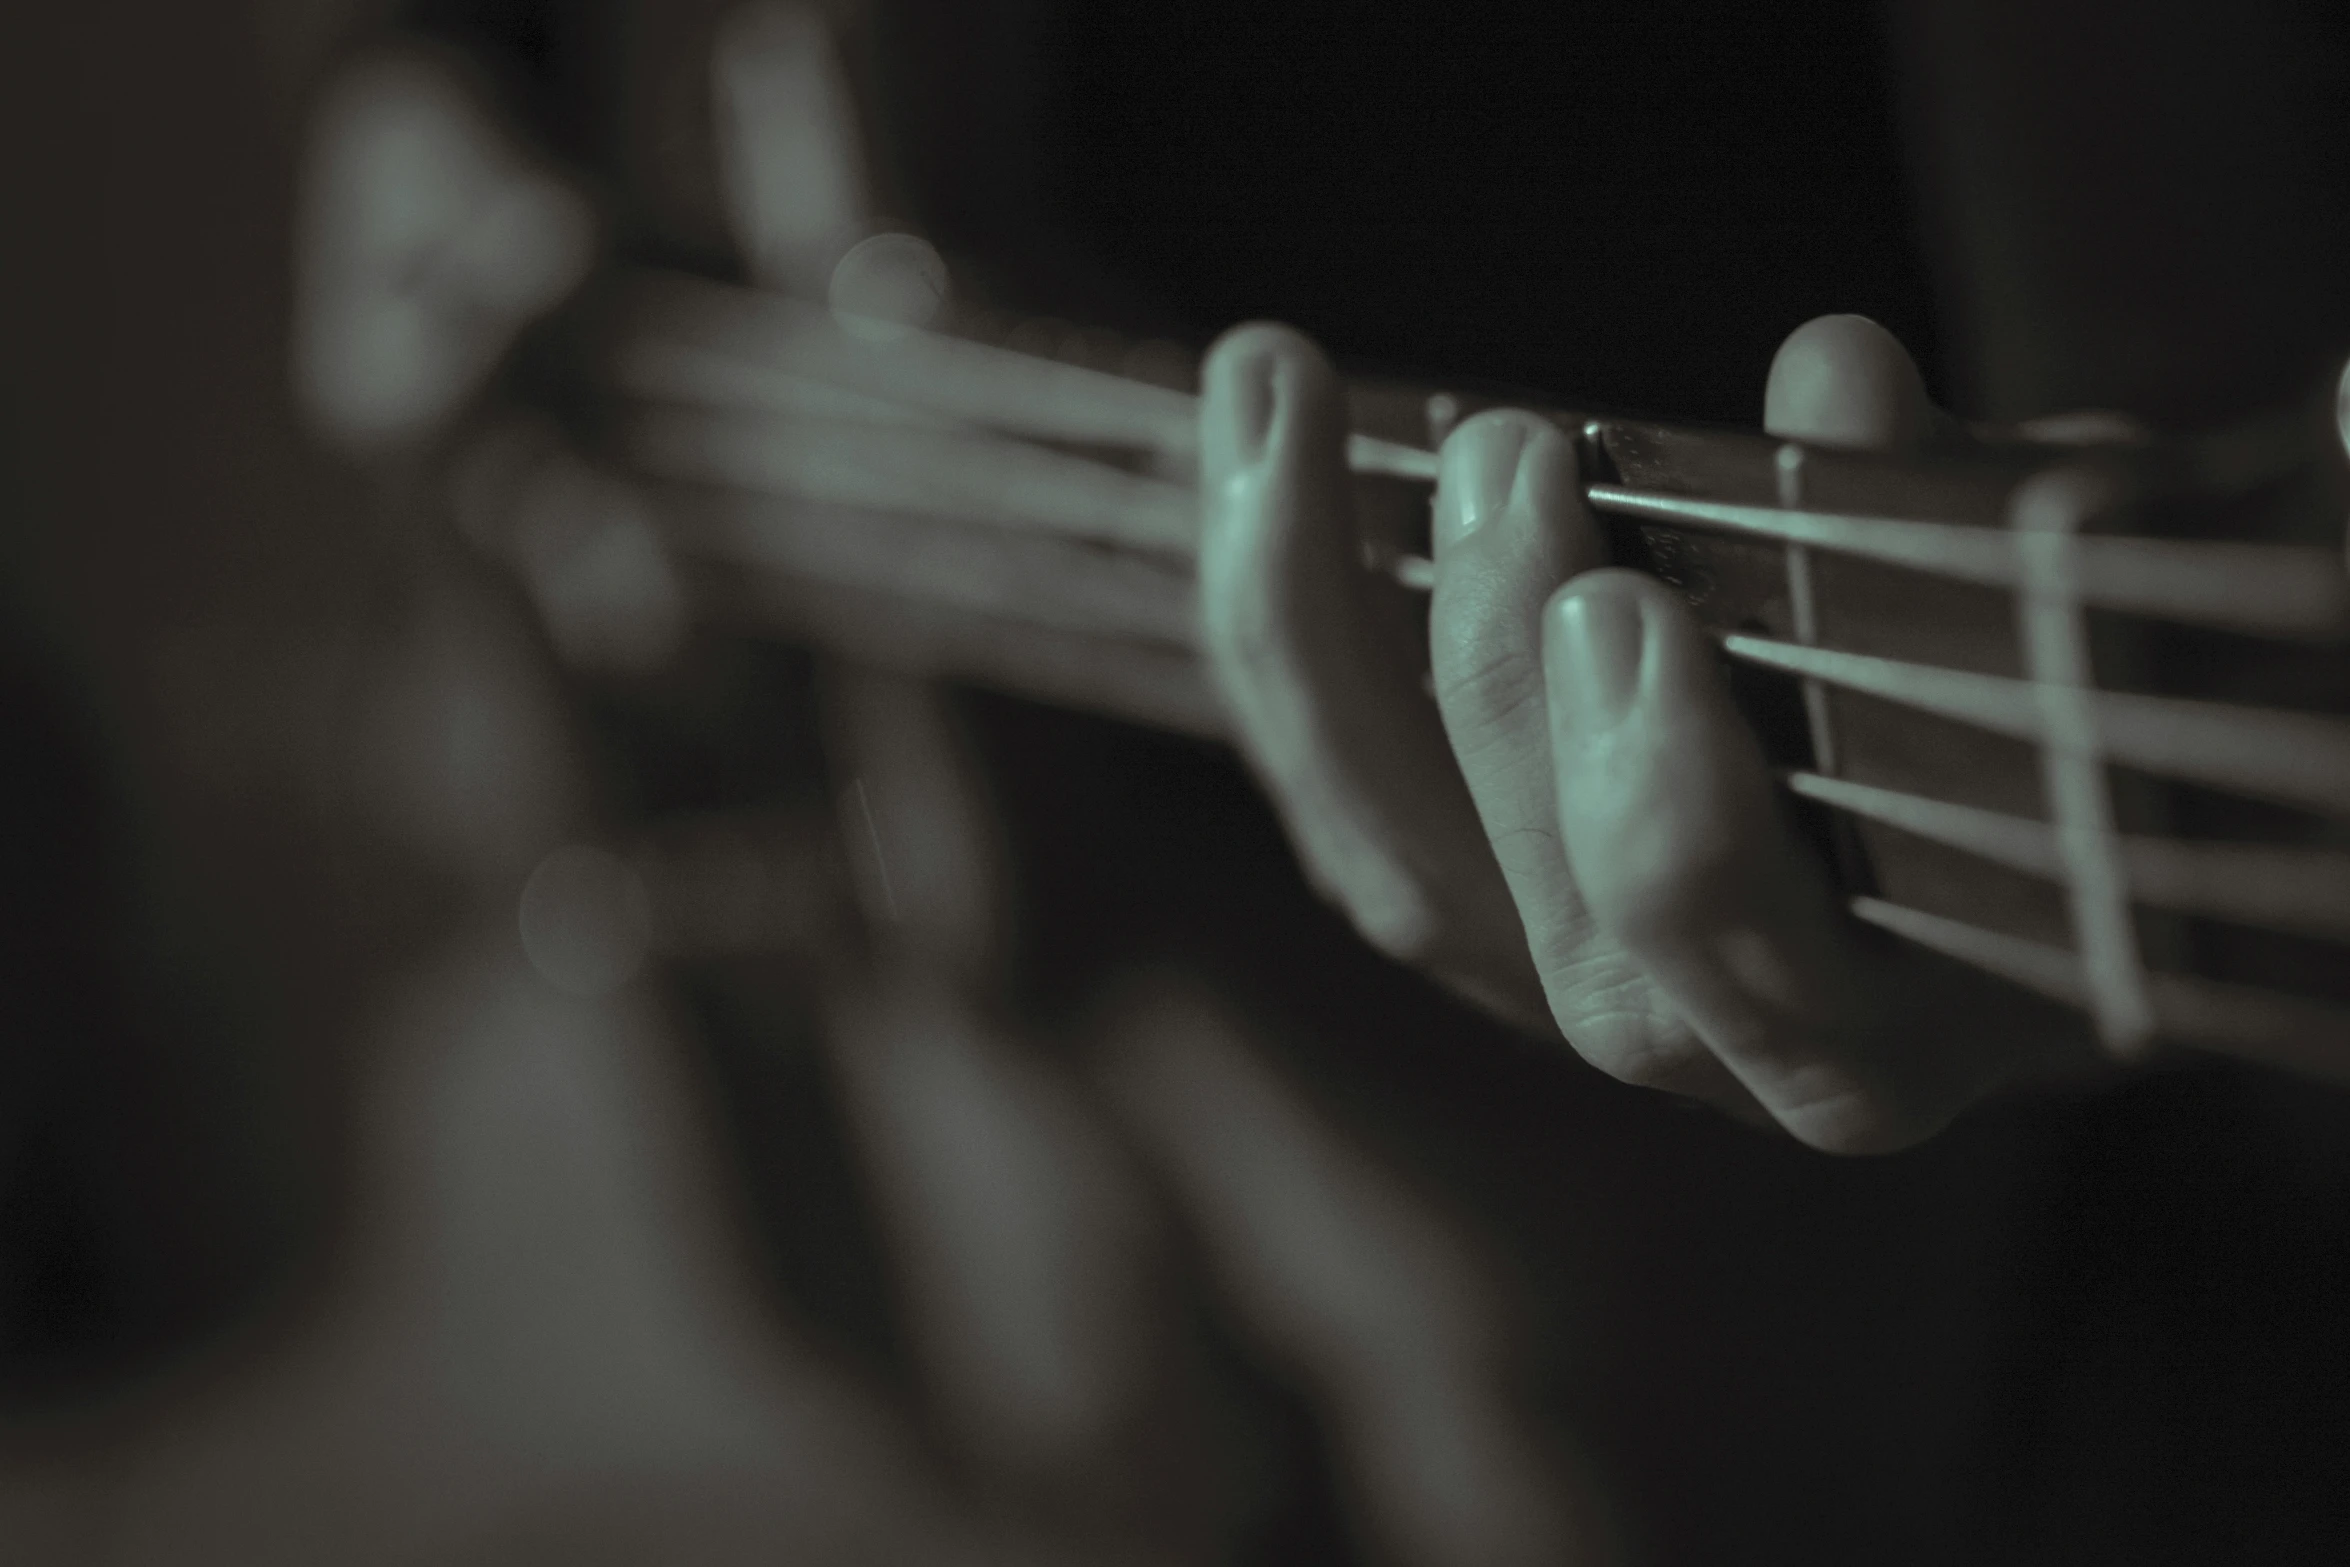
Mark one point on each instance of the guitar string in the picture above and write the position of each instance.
(2237, 1020)
(1047, 596)
(976, 383)
(2298, 759)
(2294, 889)
(2279, 589)
(1121, 598)
(1159, 687)
(1803, 611)
(806, 366)
(946, 474)
(954, 472)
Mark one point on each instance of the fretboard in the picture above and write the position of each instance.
(2075, 718)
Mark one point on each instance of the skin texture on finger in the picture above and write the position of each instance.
(1324, 690)
(1510, 528)
(1671, 829)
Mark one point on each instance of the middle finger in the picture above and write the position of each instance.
(1510, 527)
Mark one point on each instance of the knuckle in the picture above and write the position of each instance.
(1612, 1016)
(1856, 1125)
(1487, 696)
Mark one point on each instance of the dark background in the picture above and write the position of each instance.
(2101, 1331)
(1631, 204)
(2104, 1330)
(2108, 1331)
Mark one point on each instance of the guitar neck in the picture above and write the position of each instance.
(2096, 748)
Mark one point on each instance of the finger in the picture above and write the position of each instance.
(1674, 836)
(1020, 1239)
(1846, 381)
(1510, 527)
(1368, 1294)
(1322, 680)
(428, 239)
(924, 847)
(789, 151)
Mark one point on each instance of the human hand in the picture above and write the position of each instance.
(1580, 830)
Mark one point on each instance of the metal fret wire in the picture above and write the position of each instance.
(1803, 609)
(2046, 515)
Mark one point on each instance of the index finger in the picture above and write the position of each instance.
(1325, 690)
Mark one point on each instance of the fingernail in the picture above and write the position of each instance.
(1479, 474)
(1252, 398)
(1600, 636)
